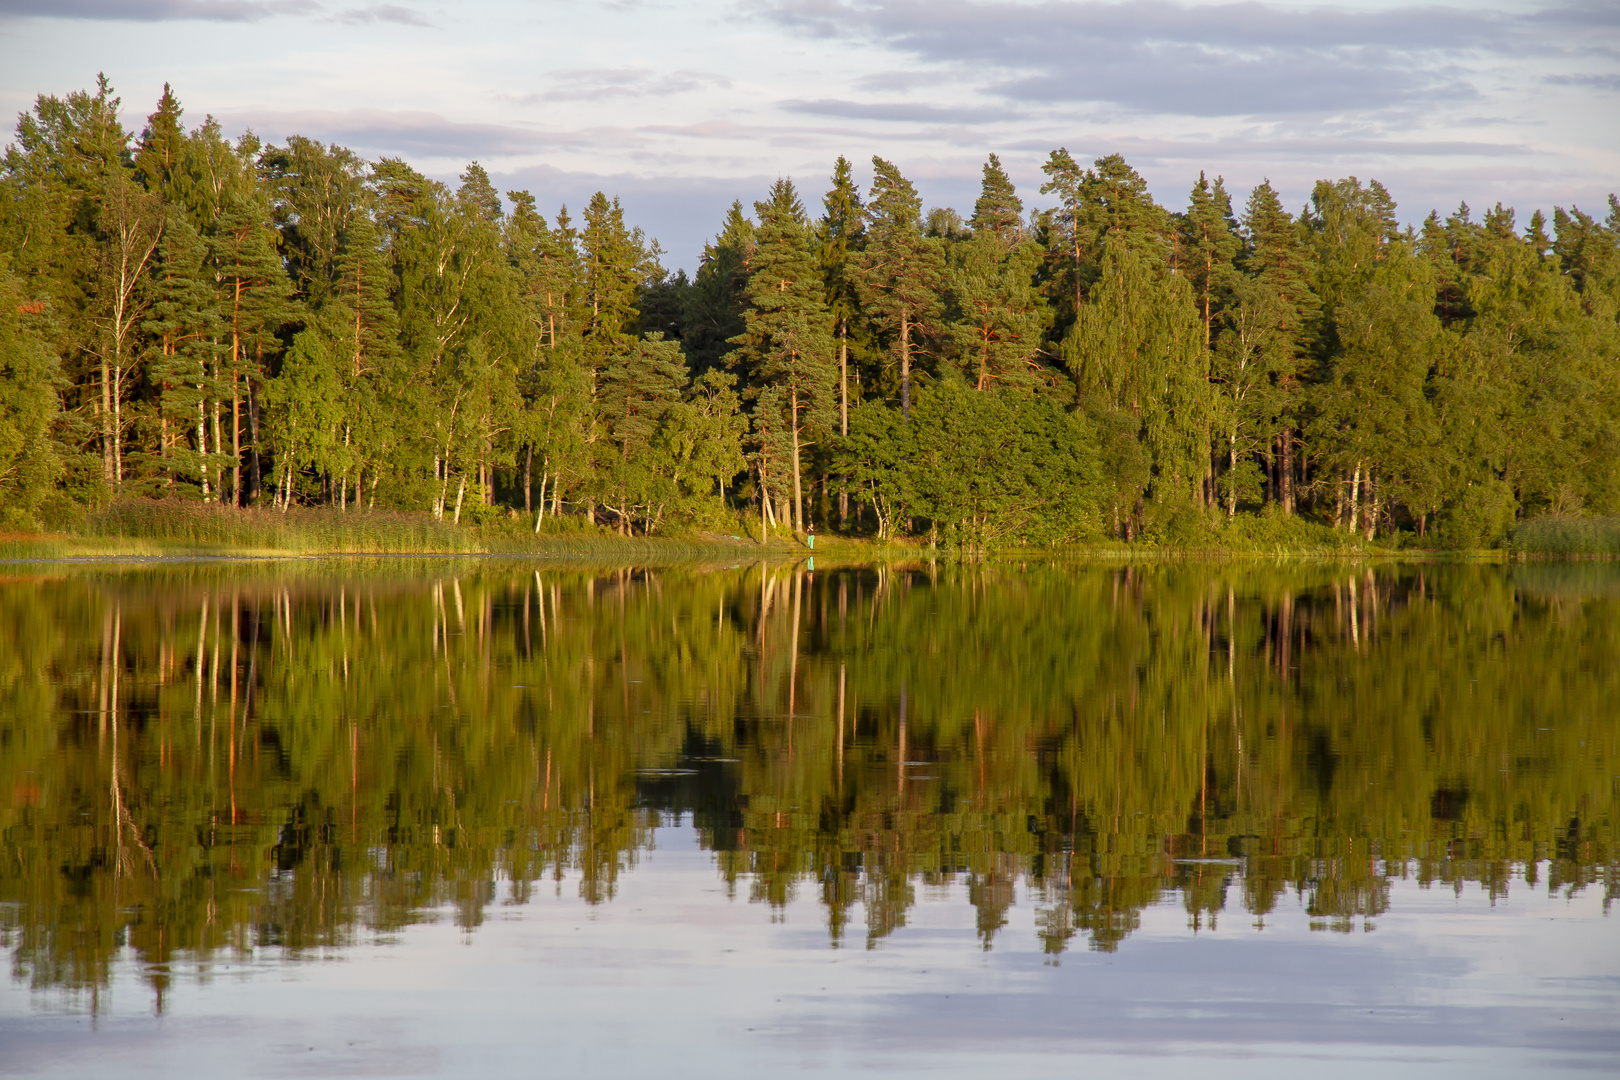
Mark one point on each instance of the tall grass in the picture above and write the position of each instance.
(150, 527)
(1595, 536)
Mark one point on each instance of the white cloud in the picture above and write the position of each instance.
(682, 107)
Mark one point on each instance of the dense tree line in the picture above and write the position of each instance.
(188, 316)
(200, 761)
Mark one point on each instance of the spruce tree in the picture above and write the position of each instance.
(162, 151)
(715, 304)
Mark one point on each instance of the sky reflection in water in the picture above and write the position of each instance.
(452, 817)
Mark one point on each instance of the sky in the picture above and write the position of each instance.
(679, 108)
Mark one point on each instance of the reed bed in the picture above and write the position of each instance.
(150, 528)
(1568, 536)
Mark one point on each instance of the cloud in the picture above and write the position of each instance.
(159, 10)
(1235, 59)
(207, 11)
(594, 84)
(897, 111)
(379, 13)
(1595, 82)
(400, 132)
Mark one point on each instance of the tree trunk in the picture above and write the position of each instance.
(1288, 470)
(105, 409)
(843, 413)
(489, 474)
(1374, 496)
(1231, 478)
(905, 363)
(798, 487)
(528, 483)
(1355, 500)
(236, 443)
(254, 476)
(461, 493)
(1271, 471)
(219, 446)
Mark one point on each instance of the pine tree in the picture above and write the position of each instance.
(315, 194)
(839, 236)
(1066, 244)
(1276, 256)
(1110, 200)
(547, 278)
(1207, 245)
(361, 324)
(256, 301)
(1373, 420)
(1589, 253)
(998, 211)
(615, 264)
(996, 315)
(634, 397)
(785, 343)
(184, 329)
(900, 270)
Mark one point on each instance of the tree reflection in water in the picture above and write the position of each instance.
(200, 761)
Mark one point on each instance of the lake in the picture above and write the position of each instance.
(500, 818)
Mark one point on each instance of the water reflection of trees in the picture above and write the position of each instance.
(199, 762)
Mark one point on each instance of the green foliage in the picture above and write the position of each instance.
(283, 325)
(1567, 536)
(1094, 736)
(29, 373)
(900, 271)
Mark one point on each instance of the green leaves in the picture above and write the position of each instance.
(1335, 364)
(29, 375)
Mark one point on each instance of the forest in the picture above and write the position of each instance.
(184, 316)
(203, 763)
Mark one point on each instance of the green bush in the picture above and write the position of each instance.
(1272, 531)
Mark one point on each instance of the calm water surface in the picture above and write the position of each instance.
(466, 818)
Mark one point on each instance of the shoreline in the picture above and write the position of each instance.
(61, 550)
(151, 531)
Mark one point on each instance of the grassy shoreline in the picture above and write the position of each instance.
(142, 530)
